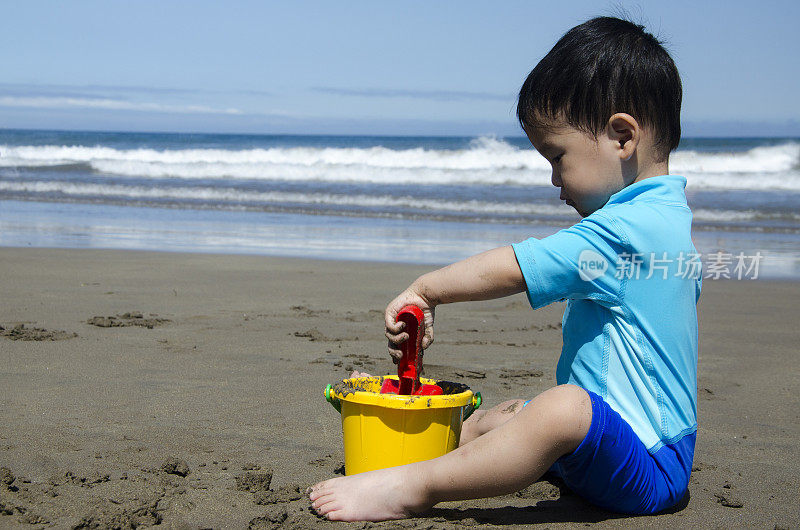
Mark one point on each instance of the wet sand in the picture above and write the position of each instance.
(186, 390)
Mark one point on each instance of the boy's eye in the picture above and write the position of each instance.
(558, 158)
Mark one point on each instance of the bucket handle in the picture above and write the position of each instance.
(332, 400)
(472, 407)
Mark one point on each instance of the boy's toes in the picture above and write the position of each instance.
(316, 491)
(325, 503)
(334, 515)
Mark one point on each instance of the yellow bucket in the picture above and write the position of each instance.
(386, 430)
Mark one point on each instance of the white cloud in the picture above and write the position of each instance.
(55, 102)
(436, 95)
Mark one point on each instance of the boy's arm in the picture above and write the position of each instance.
(491, 274)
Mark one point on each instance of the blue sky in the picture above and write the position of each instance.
(444, 67)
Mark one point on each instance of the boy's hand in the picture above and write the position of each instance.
(491, 274)
(394, 330)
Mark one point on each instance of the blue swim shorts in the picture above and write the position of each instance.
(612, 468)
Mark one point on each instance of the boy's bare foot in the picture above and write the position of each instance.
(356, 374)
(495, 463)
(372, 496)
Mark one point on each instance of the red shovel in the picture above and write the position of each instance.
(410, 365)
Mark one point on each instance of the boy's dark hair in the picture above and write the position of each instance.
(604, 66)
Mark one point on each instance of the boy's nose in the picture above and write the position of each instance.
(555, 179)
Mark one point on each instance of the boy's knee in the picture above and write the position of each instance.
(484, 421)
(570, 395)
(567, 411)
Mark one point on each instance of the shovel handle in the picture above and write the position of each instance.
(410, 365)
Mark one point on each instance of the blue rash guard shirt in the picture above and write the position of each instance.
(631, 277)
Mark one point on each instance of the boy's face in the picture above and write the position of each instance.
(588, 170)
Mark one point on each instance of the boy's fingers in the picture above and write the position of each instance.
(389, 316)
(395, 327)
(394, 353)
(396, 338)
(428, 313)
(427, 339)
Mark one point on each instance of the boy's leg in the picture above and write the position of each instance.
(483, 421)
(505, 459)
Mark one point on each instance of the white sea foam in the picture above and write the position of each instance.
(486, 161)
(237, 197)
(765, 159)
(484, 153)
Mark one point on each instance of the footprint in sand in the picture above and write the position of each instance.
(308, 312)
(284, 494)
(131, 319)
(20, 332)
(315, 335)
(520, 374)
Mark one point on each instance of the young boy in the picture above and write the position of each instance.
(603, 107)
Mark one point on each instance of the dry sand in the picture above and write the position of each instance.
(214, 366)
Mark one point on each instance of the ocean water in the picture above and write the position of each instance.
(404, 199)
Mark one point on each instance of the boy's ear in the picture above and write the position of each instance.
(624, 130)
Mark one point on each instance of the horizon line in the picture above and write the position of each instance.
(346, 135)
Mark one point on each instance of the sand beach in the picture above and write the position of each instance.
(185, 390)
